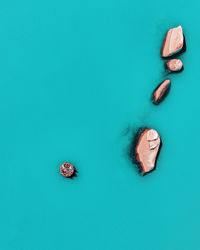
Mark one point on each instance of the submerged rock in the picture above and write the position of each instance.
(68, 170)
(147, 146)
(175, 65)
(174, 42)
(161, 92)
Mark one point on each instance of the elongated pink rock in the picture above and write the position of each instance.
(147, 149)
(161, 92)
(173, 42)
(174, 65)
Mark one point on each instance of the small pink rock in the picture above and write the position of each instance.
(174, 65)
(173, 42)
(67, 170)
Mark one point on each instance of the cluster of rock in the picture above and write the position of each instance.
(173, 45)
(147, 142)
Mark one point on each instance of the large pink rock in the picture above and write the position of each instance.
(147, 149)
(174, 42)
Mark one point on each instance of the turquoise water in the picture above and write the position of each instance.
(76, 79)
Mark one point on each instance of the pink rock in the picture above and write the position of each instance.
(161, 92)
(173, 42)
(174, 65)
(147, 149)
(68, 170)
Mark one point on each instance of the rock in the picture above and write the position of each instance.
(173, 43)
(68, 170)
(174, 65)
(161, 92)
(147, 143)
